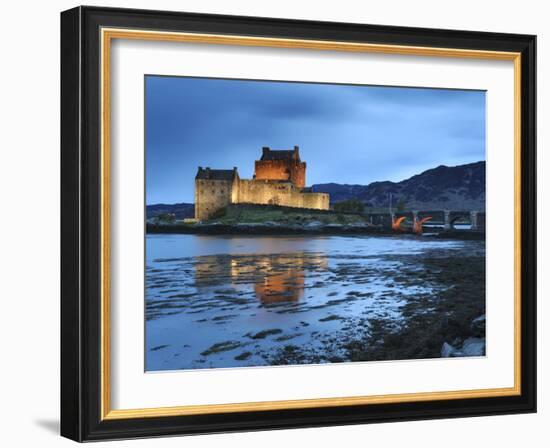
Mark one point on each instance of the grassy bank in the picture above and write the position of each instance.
(239, 219)
(251, 213)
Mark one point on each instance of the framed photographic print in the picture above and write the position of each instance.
(274, 223)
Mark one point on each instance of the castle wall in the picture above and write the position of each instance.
(282, 170)
(279, 179)
(277, 193)
(211, 195)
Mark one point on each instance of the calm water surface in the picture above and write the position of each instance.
(226, 301)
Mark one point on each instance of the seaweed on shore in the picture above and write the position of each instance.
(428, 321)
(221, 347)
(432, 319)
(263, 334)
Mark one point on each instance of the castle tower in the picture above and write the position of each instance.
(281, 165)
(214, 190)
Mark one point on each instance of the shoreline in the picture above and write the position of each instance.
(436, 325)
(331, 229)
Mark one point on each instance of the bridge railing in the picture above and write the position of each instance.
(448, 219)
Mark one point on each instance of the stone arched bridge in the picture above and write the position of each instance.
(444, 218)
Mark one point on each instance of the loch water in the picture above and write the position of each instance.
(238, 301)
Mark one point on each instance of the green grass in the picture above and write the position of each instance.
(244, 213)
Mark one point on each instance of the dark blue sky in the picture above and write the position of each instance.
(347, 134)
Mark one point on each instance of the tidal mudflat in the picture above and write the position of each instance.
(226, 301)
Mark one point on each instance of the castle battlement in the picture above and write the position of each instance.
(279, 179)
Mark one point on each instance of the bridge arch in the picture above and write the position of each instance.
(464, 216)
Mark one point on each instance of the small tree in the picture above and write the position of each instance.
(401, 204)
(349, 206)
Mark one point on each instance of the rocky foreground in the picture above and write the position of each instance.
(447, 322)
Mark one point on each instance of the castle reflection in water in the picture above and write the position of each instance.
(274, 278)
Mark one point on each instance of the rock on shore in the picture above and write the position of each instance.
(472, 346)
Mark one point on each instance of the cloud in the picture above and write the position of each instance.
(347, 134)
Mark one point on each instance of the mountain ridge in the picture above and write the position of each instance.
(180, 210)
(460, 187)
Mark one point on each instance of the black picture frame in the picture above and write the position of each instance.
(81, 224)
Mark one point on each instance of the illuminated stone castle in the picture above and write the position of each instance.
(279, 179)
